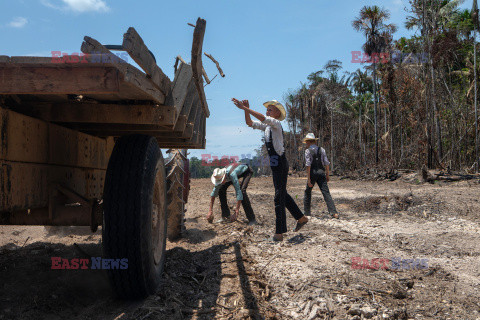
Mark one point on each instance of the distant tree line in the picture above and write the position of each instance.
(395, 113)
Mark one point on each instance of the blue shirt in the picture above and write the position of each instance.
(233, 177)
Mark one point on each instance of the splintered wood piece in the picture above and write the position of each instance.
(197, 46)
(216, 63)
(131, 75)
(205, 76)
(136, 48)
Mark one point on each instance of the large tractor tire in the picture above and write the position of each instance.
(178, 184)
(135, 215)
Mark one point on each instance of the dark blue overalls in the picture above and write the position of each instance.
(317, 175)
(282, 199)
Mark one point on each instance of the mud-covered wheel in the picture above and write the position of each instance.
(135, 215)
(177, 191)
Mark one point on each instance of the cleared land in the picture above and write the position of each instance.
(231, 271)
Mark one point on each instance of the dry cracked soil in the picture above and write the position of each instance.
(400, 250)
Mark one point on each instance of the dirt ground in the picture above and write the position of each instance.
(232, 271)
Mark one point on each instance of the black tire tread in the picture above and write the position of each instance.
(128, 177)
(175, 203)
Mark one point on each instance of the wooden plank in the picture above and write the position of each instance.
(182, 80)
(131, 75)
(57, 79)
(180, 124)
(183, 121)
(29, 59)
(197, 66)
(188, 131)
(170, 134)
(183, 145)
(204, 133)
(197, 126)
(198, 135)
(191, 95)
(118, 130)
(136, 48)
(198, 112)
(84, 112)
(29, 140)
(201, 134)
(26, 185)
(196, 106)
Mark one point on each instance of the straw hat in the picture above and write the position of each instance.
(279, 106)
(218, 175)
(309, 137)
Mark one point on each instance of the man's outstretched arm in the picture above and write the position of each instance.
(256, 114)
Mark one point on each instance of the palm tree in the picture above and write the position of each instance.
(372, 23)
(476, 24)
(360, 82)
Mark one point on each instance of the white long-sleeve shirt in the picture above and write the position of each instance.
(273, 130)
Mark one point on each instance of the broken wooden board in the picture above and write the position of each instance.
(183, 77)
(131, 75)
(136, 48)
(197, 66)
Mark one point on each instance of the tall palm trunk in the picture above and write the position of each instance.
(375, 110)
(360, 131)
(475, 81)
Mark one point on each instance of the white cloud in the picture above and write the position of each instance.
(18, 22)
(87, 5)
(78, 5)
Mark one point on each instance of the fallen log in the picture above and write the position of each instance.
(431, 177)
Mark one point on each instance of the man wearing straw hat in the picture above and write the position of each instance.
(222, 178)
(318, 171)
(271, 125)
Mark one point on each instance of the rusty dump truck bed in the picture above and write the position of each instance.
(102, 95)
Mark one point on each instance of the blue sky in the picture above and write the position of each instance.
(265, 47)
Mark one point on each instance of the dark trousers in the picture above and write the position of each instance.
(282, 198)
(247, 207)
(321, 180)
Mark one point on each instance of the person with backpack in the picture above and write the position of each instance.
(222, 178)
(318, 171)
(271, 125)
